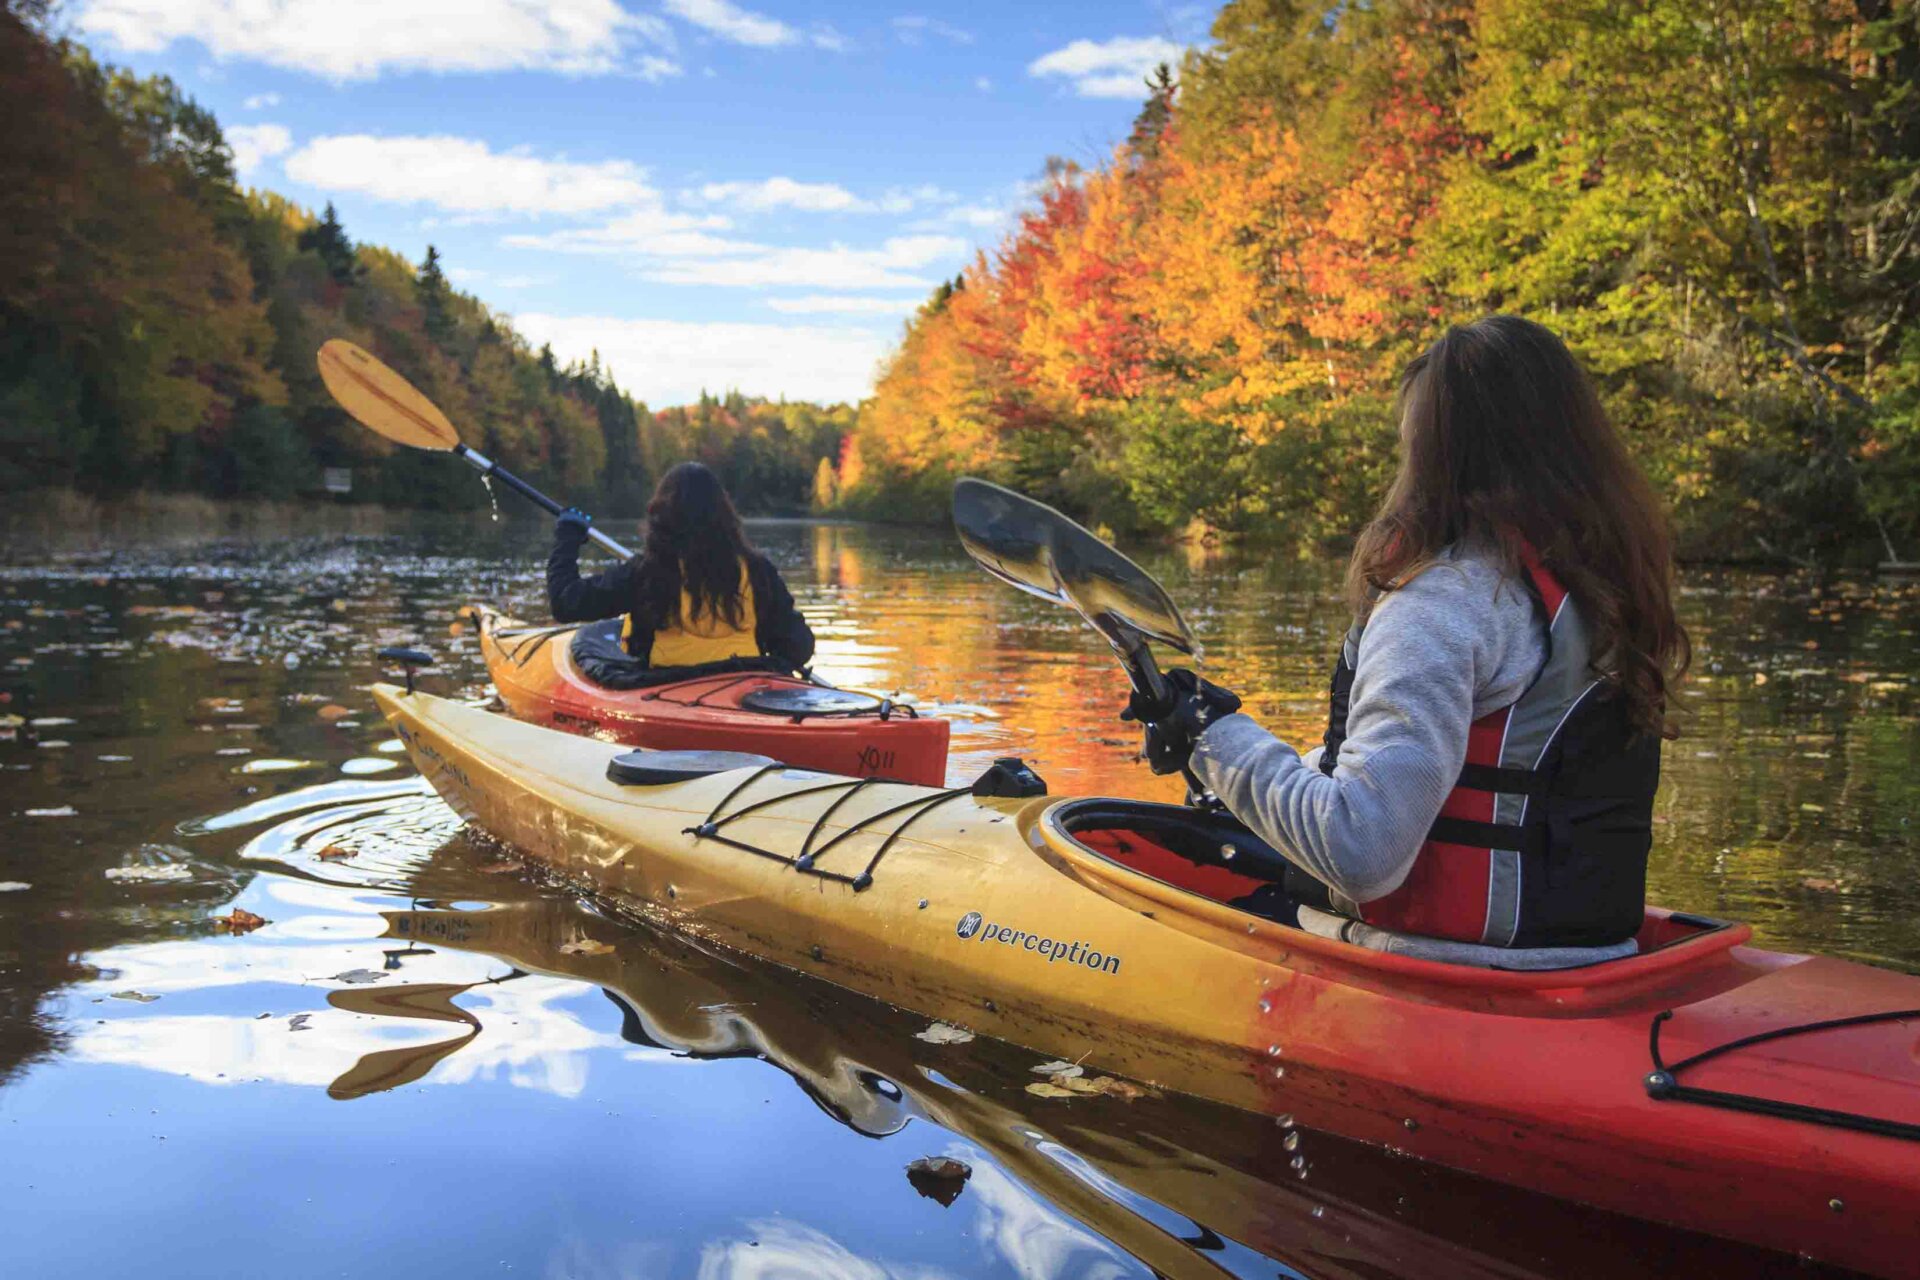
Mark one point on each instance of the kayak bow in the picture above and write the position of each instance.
(1103, 931)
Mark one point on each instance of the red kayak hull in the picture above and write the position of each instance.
(536, 678)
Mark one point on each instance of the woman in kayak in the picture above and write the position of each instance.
(1484, 790)
(698, 593)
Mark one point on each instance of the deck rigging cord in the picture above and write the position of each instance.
(1663, 1085)
(808, 858)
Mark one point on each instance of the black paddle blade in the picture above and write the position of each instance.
(1035, 548)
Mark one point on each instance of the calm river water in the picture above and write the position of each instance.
(416, 1069)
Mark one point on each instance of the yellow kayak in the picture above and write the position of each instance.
(1101, 931)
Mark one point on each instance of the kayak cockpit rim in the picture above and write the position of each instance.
(1680, 949)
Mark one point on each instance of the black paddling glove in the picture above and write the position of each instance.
(1170, 735)
(571, 525)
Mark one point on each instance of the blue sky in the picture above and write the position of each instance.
(712, 193)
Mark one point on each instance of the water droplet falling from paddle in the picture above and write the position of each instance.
(493, 499)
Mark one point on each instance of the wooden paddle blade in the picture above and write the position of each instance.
(381, 400)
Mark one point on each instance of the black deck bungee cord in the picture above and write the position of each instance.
(916, 808)
(1662, 1083)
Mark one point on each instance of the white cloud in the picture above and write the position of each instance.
(983, 84)
(729, 21)
(464, 175)
(654, 69)
(259, 100)
(843, 304)
(887, 267)
(667, 362)
(360, 39)
(982, 216)
(825, 37)
(813, 197)
(649, 231)
(780, 193)
(1115, 68)
(254, 144)
(913, 28)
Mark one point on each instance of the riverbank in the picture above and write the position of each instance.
(37, 522)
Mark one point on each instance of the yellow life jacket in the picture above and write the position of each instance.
(706, 639)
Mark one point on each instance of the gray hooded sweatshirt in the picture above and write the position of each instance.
(1459, 641)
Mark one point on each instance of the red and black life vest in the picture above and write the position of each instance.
(1543, 841)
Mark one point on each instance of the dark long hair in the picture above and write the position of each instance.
(1504, 440)
(695, 542)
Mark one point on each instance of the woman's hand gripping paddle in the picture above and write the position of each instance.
(1038, 550)
(388, 405)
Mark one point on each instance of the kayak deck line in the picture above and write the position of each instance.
(806, 861)
(1531, 1079)
(1663, 1082)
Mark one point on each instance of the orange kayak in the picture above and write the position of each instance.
(1768, 1098)
(795, 721)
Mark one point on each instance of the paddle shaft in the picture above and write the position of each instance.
(487, 466)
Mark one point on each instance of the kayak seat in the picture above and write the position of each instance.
(602, 660)
(657, 768)
(1210, 854)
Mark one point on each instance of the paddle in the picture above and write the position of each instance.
(1038, 550)
(388, 405)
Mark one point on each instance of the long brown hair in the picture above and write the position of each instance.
(1504, 441)
(695, 542)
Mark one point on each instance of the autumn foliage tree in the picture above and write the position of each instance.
(1717, 204)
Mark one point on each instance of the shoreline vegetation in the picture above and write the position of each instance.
(1196, 339)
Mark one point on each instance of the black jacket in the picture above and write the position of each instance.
(780, 631)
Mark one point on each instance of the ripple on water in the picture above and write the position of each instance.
(347, 832)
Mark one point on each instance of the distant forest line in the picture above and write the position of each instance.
(158, 326)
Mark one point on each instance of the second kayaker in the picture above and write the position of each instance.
(697, 594)
(1484, 790)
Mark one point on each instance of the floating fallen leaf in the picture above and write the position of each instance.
(152, 873)
(273, 764)
(360, 976)
(456, 628)
(1813, 808)
(1080, 1084)
(1820, 883)
(1058, 1069)
(298, 1022)
(939, 1178)
(335, 853)
(1125, 1090)
(64, 811)
(941, 1033)
(333, 711)
(138, 997)
(586, 947)
(239, 921)
(1042, 1089)
(1759, 677)
(1065, 1086)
